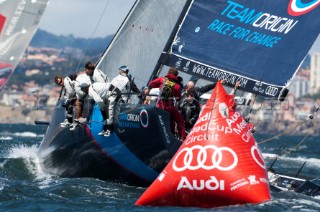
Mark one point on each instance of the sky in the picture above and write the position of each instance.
(81, 17)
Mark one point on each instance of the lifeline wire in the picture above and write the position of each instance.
(295, 148)
(213, 107)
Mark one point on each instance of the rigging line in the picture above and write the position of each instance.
(213, 107)
(295, 148)
(93, 33)
(310, 117)
(283, 133)
(267, 115)
(315, 179)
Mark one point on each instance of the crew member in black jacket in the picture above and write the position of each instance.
(197, 91)
(189, 106)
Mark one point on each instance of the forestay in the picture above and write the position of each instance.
(259, 43)
(19, 20)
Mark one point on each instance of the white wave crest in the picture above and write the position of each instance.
(314, 161)
(25, 134)
(6, 138)
(29, 154)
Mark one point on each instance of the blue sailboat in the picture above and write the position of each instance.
(257, 43)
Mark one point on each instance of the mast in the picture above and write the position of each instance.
(162, 57)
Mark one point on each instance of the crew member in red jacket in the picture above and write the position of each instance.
(170, 91)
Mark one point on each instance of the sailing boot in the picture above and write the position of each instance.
(74, 125)
(65, 123)
(109, 130)
(105, 131)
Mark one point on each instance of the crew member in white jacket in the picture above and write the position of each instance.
(120, 87)
(100, 93)
(90, 76)
(69, 96)
(95, 75)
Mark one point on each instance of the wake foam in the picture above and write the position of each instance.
(10, 135)
(314, 161)
(29, 156)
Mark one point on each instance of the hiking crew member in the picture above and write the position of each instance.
(170, 92)
(99, 92)
(95, 75)
(91, 75)
(79, 104)
(120, 86)
(70, 96)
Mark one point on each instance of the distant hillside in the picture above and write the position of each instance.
(46, 39)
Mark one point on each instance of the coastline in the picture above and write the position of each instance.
(23, 115)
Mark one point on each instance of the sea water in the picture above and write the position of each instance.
(25, 187)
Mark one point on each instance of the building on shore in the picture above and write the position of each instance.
(300, 85)
(314, 73)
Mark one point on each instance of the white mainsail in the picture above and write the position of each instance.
(141, 39)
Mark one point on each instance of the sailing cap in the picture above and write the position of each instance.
(124, 68)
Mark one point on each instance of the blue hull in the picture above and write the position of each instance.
(137, 151)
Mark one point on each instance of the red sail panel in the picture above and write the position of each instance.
(218, 164)
(19, 21)
(2, 22)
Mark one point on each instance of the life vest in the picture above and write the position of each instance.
(167, 88)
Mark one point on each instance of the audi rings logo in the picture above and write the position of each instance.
(271, 91)
(254, 149)
(206, 157)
